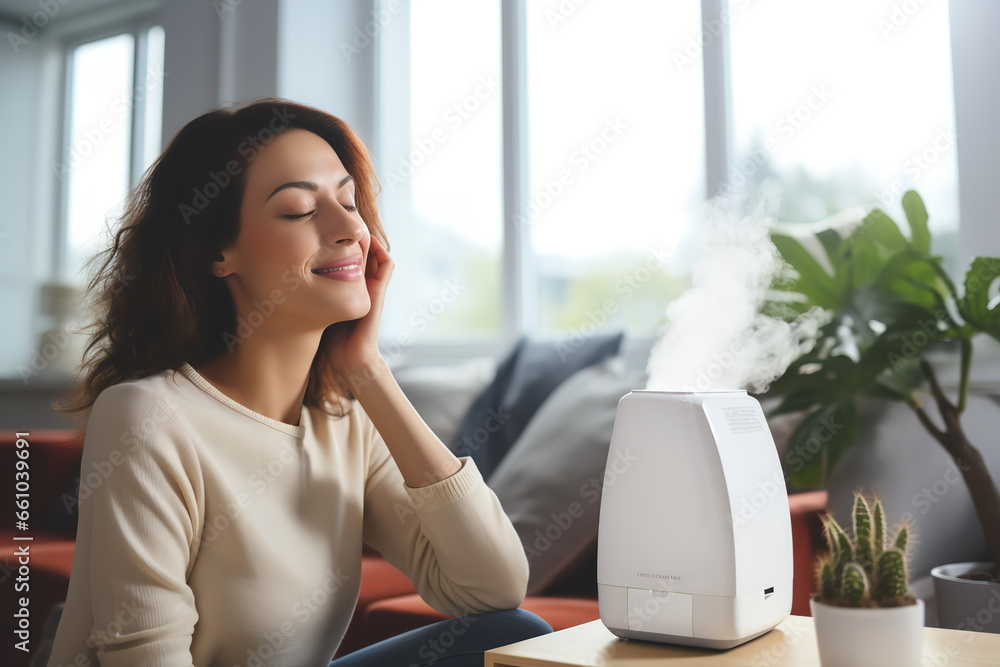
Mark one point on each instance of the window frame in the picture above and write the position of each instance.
(138, 27)
(518, 303)
(518, 299)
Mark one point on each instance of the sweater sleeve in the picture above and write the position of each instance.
(143, 528)
(451, 538)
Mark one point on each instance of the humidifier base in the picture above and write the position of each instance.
(706, 621)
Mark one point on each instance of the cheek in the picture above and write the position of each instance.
(366, 242)
(277, 243)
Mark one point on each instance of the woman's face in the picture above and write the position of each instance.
(297, 216)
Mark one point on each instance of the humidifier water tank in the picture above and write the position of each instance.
(695, 539)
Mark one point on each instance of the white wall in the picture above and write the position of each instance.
(29, 80)
(317, 31)
(287, 48)
(976, 72)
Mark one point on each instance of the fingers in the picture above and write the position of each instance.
(380, 255)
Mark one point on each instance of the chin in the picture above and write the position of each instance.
(358, 308)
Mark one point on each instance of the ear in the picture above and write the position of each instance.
(218, 268)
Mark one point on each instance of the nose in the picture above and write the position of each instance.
(342, 228)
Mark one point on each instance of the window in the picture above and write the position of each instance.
(113, 124)
(600, 211)
(440, 171)
(616, 159)
(618, 119)
(861, 113)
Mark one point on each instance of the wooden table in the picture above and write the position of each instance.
(793, 642)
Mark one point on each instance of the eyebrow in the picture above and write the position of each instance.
(307, 185)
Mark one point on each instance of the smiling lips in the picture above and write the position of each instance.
(348, 268)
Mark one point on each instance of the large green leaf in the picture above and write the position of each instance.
(827, 379)
(912, 277)
(902, 342)
(889, 386)
(812, 281)
(916, 215)
(819, 442)
(976, 304)
(831, 241)
(880, 228)
(866, 262)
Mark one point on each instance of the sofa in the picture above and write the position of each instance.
(573, 405)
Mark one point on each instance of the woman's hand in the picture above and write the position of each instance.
(352, 347)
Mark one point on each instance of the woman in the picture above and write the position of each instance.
(252, 435)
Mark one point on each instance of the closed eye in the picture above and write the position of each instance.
(294, 216)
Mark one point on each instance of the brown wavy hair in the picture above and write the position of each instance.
(154, 300)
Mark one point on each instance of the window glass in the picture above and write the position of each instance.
(845, 104)
(616, 157)
(441, 176)
(96, 159)
(153, 97)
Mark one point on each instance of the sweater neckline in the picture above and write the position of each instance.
(210, 389)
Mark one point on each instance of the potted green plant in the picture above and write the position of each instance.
(863, 610)
(882, 292)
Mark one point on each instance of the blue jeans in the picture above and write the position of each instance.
(455, 642)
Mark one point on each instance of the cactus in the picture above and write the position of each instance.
(868, 571)
(878, 528)
(863, 534)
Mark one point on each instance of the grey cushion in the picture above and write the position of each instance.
(549, 483)
(524, 379)
(441, 395)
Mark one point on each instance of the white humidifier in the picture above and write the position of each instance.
(695, 539)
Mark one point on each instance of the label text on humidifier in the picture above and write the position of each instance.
(742, 419)
(653, 575)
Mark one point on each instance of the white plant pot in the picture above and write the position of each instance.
(966, 604)
(887, 637)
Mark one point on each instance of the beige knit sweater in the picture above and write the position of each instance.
(211, 535)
